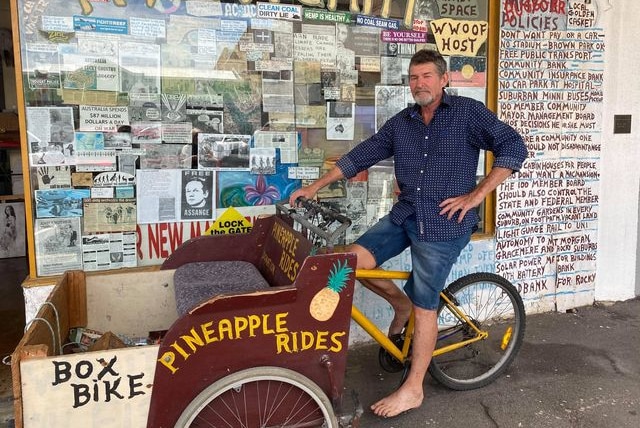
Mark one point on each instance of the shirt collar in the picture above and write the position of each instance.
(445, 101)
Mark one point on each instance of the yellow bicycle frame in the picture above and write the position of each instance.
(402, 354)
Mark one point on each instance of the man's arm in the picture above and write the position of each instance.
(310, 191)
(464, 203)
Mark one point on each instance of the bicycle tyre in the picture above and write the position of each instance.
(260, 397)
(494, 305)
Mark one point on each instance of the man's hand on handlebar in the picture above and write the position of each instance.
(310, 191)
(305, 192)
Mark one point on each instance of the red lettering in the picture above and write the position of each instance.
(154, 244)
(163, 240)
(139, 242)
(175, 236)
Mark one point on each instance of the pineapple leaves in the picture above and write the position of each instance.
(338, 276)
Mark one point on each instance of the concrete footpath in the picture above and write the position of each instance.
(578, 369)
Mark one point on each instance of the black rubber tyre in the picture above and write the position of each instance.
(495, 306)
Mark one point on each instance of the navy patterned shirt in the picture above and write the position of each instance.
(437, 161)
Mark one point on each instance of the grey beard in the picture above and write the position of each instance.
(424, 101)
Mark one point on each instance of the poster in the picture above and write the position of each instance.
(109, 251)
(51, 135)
(58, 246)
(60, 202)
(223, 151)
(197, 195)
(12, 230)
(175, 195)
(103, 215)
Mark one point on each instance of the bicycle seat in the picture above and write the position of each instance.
(199, 281)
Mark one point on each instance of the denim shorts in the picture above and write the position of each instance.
(431, 261)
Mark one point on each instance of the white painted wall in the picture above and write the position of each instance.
(617, 267)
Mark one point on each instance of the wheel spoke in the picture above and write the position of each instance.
(494, 306)
(261, 398)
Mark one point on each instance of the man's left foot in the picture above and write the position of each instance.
(399, 402)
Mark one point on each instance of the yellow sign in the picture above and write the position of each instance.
(454, 37)
(230, 222)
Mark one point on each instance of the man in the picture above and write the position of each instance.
(435, 145)
(195, 193)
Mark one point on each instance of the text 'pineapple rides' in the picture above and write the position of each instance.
(246, 328)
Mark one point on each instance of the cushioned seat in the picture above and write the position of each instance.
(197, 282)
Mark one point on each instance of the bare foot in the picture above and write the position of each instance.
(398, 402)
(400, 319)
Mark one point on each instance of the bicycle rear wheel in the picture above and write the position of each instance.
(260, 397)
(495, 306)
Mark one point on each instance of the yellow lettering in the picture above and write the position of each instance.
(322, 340)
(265, 324)
(281, 322)
(241, 325)
(287, 240)
(167, 360)
(337, 344)
(181, 351)
(193, 339)
(225, 327)
(289, 266)
(254, 323)
(207, 333)
(282, 343)
(308, 340)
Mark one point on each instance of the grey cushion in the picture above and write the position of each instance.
(197, 282)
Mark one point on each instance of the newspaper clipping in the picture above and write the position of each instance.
(57, 245)
(109, 251)
(109, 215)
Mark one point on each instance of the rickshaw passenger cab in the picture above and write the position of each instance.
(250, 300)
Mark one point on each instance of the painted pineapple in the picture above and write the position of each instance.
(325, 302)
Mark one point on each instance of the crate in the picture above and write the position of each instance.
(102, 388)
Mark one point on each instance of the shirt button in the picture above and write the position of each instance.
(418, 189)
(425, 155)
(426, 138)
(421, 171)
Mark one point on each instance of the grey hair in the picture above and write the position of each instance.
(426, 56)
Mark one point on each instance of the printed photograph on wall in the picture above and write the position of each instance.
(12, 232)
(53, 177)
(222, 151)
(51, 135)
(58, 246)
(60, 202)
(197, 195)
(103, 215)
(263, 160)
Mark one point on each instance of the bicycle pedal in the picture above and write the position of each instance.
(388, 362)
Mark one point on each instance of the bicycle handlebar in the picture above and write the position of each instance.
(326, 212)
(313, 210)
